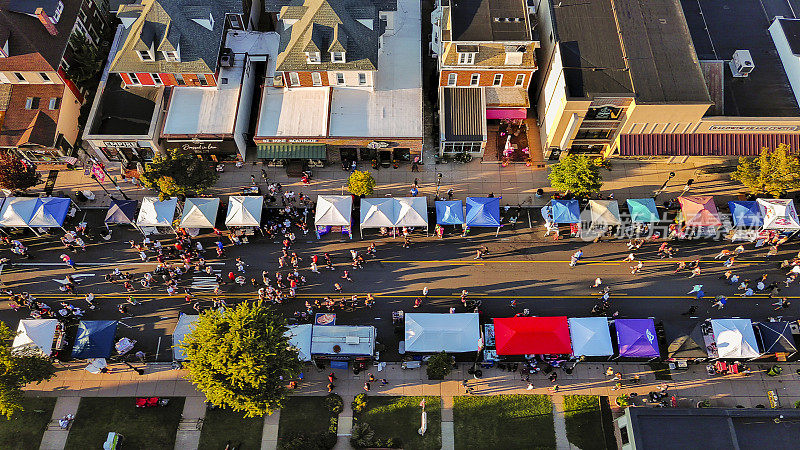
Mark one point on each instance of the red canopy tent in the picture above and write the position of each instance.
(532, 335)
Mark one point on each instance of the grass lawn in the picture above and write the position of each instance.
(224, 425)
(150, 428)
(399, 418)
(306, 415)
(25, 429)
(504, 421)
(584, 421)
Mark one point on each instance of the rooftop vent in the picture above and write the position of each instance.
(226, 60)
(742, 63)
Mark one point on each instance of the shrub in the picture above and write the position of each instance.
(362, 436)
(334, 403)
(359, 403)
(439, 365)
(623, 400)
(361, 183)
(797, 404)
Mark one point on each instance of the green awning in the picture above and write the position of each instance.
(291, 151)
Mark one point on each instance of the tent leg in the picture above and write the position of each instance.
(497, 233)
(35, 232)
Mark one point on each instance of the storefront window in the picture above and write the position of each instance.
(459, 147)
(594, 134)
(603, 113)
(110, 153)
(39, 154)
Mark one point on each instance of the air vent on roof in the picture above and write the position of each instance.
(742, 63)
(508, 19)
(226, 60)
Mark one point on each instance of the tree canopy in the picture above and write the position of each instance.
(578, 174)
(87, 61)
(361, 183)
(17, 370)
(16, 174)
(178, 173)
(240, 358)
(773, 172)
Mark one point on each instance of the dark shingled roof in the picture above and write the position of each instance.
(464, 114)
(490, 20)
(791, 28)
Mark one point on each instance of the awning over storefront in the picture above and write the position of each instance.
(699, 211)
(50, 212)
(703, 144)
(590, 336)
(735, 338)
(95, 339)
(643, 210)
(745, 214)
(300, 338)
(636, 338)
(779, 214)
(186, 323)
(121, 211)
(333, 210)
(200, 213)
(291, 151)
(155, 213)
(506, 113)
(483, 212)
(464, 114)
(565, 211)
(36, 335)
(452, 333)
(449, 212)
(411, 212)
(532, 336)
(244, 211)
(685, 340)
(604, 212)
(17, 211)
(776, 337)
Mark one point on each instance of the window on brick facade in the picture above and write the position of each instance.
(452, 79)
(475, 79)
(54, 103)
(20, 77)
(520, 80)
(45, 77)
(316, 78)
(157, 79)
(202, 78)
(32, 103)
(179, 79)
(294, 78)
(339, 78)
(498, 79)
(466, 58)
(134, 78)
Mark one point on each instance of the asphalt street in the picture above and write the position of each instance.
(522, 266)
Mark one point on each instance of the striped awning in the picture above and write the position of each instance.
(291, 151)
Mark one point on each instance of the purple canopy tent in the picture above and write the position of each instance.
(636, 338)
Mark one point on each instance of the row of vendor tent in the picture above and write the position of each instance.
(600, 212)
(34, 212)
(95, 338)
(243, 211)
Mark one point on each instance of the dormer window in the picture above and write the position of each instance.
(145, 55)
(337, 57)
(171, 56)
(313, 58)
(466, 53)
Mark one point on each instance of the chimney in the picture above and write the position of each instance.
(45, 19)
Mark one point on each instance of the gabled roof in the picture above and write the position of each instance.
(167, 25)
(326, 26)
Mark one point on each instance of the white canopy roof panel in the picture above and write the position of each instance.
(430, 332)
(155, 213)
(343, 340)
(244, 211)
(185, 326)
(411, 212)
(200, 213)
(590, 336)
(604, 212)
(779, 214)
(378, 212)
(333, 210)
(35, 334)
(300, 338)
(735, 338)
(17, 211)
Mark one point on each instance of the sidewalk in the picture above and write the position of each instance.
(517, 184)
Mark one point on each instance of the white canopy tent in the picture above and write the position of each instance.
(35, 334)
(590, 336)
(200, 213)
(735, 338)
(343, 340)
(411, 212)
(378, 212)
(779, 214)
(430, 332)
(244, 211)
(300, 338)
(17, 211)
(155, 213)
(604, 212)
(333, 210)
(185, 325)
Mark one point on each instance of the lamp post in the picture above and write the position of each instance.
(438, 182)
(663, 186)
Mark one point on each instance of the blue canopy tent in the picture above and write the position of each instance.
(449, 212)
(643, 210)
(95, 339)
(50, 212)
(745, 214)
(565, 211)
(483, 212)
(121, 211)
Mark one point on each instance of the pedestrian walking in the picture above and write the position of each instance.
(630, 257)
(720, 302)
(575, 257)
(425, 292)
(637, 268)
(331, 387)
(597, 282)
(695, 272)
(692, 310)
(366, 386)
(406, 242)
(723, 254)
(450, 194)
(781, 304)
(695, 288)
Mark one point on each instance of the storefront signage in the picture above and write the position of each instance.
(753, 128)
(204, 147)
(377, 144)
(120, 144)
(292, 141)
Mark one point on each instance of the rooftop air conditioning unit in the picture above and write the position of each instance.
(226, 60)
(742, 63)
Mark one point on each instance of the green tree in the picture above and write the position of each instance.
(16, 174)
(17, 370)
(773, 172)
(361, 183)
(178, 173)
(87, 61)
(578, 174)
(241, 358)
(439, 365)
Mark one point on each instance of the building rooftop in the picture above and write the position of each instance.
(490, 20)
(661, 428)
(124, 111)
(294, 112)
(464, 114)
(720, 27)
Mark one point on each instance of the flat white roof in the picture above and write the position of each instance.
(206, 110)
(294, 112)
(393, 108)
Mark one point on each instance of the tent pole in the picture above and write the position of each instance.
(34, 231)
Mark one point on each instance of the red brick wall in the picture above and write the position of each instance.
(305, 79)
(168, 79)
(487, 77)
